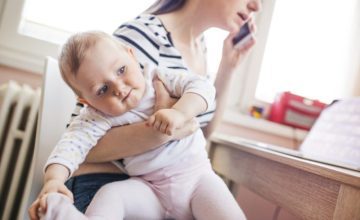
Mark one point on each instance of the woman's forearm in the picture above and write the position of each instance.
(222, 84)
(86, 168)
(231, 59)
(125, 141)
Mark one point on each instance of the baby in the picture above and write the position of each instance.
(173, 181)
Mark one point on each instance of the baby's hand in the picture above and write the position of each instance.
(167, 120)
(38, 207)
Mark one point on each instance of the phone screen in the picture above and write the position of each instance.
(244, 31)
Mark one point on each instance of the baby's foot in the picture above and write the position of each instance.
(60, 207)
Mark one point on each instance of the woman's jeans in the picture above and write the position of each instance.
(85, 186)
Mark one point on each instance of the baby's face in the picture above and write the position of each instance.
(110, 79)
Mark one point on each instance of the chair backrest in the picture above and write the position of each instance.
(57, 103)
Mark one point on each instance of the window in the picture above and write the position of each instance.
(309, 47)
(46, 24)
(309, 50)
(321, 62)
(63, 17)
(33, 29)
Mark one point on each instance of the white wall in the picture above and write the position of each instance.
(2, 2)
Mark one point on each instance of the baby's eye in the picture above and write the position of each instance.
(102, 90)
(121, 70)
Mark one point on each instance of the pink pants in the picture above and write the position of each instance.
(187, 190)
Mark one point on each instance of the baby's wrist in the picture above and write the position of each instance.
(54, 180)
(56, 171)
(183, 113)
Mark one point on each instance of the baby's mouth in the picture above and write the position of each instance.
(127, 96)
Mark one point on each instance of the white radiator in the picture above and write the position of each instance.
(19, 106)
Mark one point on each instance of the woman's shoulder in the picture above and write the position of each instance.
(146, 24)
(147, 35)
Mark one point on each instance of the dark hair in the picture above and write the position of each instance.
(165, 6)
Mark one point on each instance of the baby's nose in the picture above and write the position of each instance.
(120, 91)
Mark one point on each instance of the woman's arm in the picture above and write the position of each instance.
(134, 139)
(130, 140)
(231, 59)
(125, 141)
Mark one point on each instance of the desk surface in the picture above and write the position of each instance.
(308, 189)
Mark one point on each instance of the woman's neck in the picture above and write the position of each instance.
(184, 24)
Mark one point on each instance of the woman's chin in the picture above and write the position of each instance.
(232, 28)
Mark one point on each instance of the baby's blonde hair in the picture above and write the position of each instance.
(74, 51)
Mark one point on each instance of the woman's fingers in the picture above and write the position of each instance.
(162, 96)
(252, 26)
(159, 87)
(249, 44)
(150, 121)
(228, 42)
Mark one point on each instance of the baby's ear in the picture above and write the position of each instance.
(130, 50)
(82, 100)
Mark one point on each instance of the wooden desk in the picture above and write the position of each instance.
(308, 189)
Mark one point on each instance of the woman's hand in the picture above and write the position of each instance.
(232, 57)
(165, 101)
(162, 99)
(189, 128)
(230, 61)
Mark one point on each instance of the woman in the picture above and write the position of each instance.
(169, 34)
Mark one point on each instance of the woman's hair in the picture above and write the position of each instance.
(165, 6)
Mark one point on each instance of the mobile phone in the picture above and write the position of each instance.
(243, 36)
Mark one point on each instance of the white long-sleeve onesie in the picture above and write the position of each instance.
(87, 128)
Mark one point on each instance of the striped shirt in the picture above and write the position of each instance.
(152, 44)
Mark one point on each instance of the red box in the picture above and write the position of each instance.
(295, 111)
